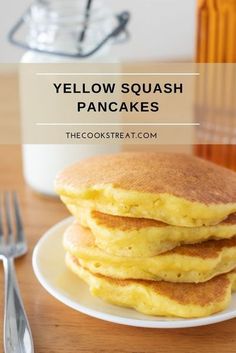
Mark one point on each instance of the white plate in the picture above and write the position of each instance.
(49, 268)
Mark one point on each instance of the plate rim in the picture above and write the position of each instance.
(165, 324)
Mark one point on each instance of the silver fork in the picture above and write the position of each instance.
(17, 333)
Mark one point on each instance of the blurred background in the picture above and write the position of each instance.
(202, 31)
(159, 29)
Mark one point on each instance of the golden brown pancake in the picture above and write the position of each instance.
(139, 237)
(189, 263)
(177, 189)
(185, 300)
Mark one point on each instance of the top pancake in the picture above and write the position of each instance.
(174, 188)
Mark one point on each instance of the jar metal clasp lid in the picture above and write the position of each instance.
(121, 27)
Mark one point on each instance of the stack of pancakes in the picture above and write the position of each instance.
(153, 231)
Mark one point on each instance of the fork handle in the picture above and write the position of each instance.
(17, 333)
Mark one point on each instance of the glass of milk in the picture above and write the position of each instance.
(54, 28)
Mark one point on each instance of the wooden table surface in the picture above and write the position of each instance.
(59, 329)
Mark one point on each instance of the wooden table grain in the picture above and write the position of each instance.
(59, 329)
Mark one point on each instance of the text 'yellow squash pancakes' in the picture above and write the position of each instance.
(126, 236)
(185, 300)
(189, 263)
(175, 188)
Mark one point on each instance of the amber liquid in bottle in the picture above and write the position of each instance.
(216, 43)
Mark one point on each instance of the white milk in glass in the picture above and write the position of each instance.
(41, 163)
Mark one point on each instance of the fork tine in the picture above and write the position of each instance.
(9, 238)
(18, 220)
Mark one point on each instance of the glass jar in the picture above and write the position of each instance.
(69, 28)
(58, 31)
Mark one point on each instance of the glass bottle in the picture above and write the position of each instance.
(216, 43)
(62, 31)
